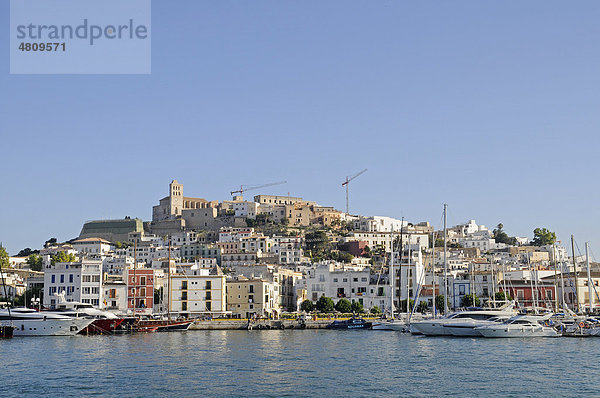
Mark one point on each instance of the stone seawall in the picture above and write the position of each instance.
(243, 324)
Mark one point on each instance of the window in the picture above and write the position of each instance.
(520, 294)
(335, 279)
(184, 285)
(70, 278)
(355, 279)
(208, 306)
(184, 306)
(142, 280)
(62, 279)
(461, 289)
(95, 290)
(86, 278)
(251, 288)
(53, 278)
(208, 285)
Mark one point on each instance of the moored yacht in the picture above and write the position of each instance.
(28, 322)
(103, 321)
(521, 326)
(437, 327)
(465, 327)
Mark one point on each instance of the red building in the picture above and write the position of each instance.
(527, 296)
(140, 290)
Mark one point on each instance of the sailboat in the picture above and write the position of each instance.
(398, 325)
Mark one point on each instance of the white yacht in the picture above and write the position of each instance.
(28, 322)
(436, 327)
(465, 327)
(521, 326)
(397, 325)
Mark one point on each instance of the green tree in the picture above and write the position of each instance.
(470, 300)
(307, 306)
(316, 241)
(35, 262)
(542, 236)
(4, 258)
(26, 252)
(344, 306)
(325, 304)
(439, 303)
(63, 257)
(357, 307)
(36, 292)
(375, 310)
(403, 305)
(501, 296)
(502, 237)
(50, 242)
(422, 307)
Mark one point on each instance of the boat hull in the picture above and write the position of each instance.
(397, 326)
(49, 327)
(430, 328)
(517, 332)
(102, 326)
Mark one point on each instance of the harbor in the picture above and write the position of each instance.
(271, 363)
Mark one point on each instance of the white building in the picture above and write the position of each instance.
(115, 296)
(96, 246)
(196, 292)
(385, 238)
(379, 224)
(80, 281)
(337, 281)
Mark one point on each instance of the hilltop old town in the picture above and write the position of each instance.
(272, 255)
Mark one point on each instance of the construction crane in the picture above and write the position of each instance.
(346, 183)
(244, 188)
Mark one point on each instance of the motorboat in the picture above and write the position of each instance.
(29, 322)
(397, 325)
(436, 327)
(465, 327)
(521, 326)
(352, 323)
(103, 321)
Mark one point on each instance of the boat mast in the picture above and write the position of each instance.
(531, 284)
(169, 282)
(589, 277)
(433, 273)
(134, 276)
(445, 262)
(401, 256)
(577, 308)
(504, 282)
(391, 272)
(555, 277)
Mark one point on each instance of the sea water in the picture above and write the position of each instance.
(297, 363)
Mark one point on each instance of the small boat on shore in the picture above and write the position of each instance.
(352, 323)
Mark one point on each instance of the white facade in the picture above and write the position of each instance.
(379, 224)
(115, 296)
(95, 246)
(339, 282)
(197, 293)
(80, 281)
(384, 238)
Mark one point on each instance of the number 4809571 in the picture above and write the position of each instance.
(42, 46)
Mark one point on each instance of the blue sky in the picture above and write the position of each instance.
(491, 107)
